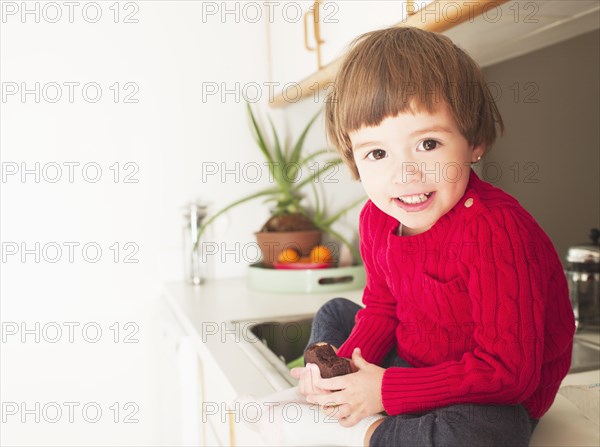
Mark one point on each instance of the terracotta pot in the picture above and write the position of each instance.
(273, 243)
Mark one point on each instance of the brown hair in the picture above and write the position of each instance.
(392, 70)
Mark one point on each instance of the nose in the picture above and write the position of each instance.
(406, 171)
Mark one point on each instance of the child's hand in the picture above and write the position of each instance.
(359, 393)
(307, 379)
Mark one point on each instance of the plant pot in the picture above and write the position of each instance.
(273, 243)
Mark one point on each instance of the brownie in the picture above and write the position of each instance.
(330, 365)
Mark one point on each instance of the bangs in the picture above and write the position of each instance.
(392, 80)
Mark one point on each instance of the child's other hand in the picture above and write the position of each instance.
(353, 396)
(307, 379)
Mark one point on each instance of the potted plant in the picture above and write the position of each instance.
(292, 222)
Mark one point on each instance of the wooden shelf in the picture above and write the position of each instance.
(438, 16)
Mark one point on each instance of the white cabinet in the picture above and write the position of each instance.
(290, 60)
(195, 396)
(184, 399)
(339, 23)
(191, 393)
(172, 381)
(347, 20)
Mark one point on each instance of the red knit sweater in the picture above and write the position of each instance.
(478, 304)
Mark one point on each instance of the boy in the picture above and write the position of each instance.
(467, 328)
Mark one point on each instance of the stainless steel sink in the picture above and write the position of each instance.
(286, 339)
(275, 342)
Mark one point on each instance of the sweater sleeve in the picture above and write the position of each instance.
(375, 325)
(506, 279)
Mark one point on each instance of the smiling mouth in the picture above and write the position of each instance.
(415, 198)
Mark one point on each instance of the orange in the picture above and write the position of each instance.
(288, 255)
(320, 254)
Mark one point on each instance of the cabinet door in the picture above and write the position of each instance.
(180, 381)
(224, 419)
(341, 22)
(190, 393)
(290, 60)
(170, 334)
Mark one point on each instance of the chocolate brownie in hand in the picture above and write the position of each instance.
(330, 365)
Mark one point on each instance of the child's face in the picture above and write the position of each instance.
(414, 167)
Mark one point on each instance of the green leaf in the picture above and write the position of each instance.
(264, 148)
(300, 143)
(211, 219)
(318, 214)
(343, 211)
(279, 156)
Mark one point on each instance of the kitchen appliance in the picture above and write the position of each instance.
(583, 275)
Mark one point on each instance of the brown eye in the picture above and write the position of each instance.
(429, 144)
(377, 154)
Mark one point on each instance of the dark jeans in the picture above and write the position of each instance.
(455, 425)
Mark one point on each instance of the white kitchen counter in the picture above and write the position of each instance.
(202, 311)
(564, 424)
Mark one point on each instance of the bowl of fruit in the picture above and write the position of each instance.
(293, 273)
(289, 259)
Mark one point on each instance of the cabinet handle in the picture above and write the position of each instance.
(317, 32)
(232, 440)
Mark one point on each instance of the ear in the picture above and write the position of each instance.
(477, 153)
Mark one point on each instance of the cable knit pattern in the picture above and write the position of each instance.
(478, 304)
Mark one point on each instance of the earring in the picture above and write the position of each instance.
(476, 161)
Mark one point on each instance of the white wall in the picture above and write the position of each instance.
(169, 55)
